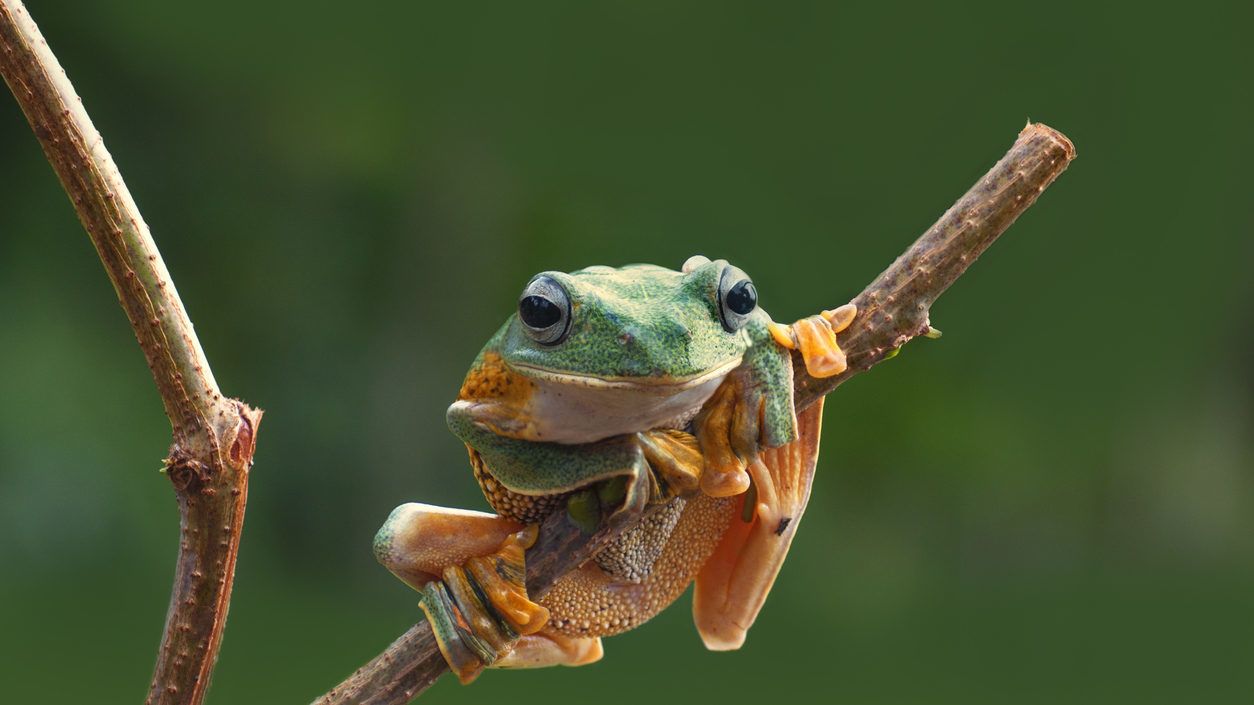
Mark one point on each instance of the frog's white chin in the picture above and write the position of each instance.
(569, 408)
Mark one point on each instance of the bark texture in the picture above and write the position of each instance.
(213, 436)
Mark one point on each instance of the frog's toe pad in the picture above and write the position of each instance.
(841, 316)
(551, 649)
(815, 339)
(725, 483)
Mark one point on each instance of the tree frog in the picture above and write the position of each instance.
(610, 388)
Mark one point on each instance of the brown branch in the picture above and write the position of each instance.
(891, 310)
(213, 436)
(894, 308)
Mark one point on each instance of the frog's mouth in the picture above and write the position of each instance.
(658, 384)
(565, 407)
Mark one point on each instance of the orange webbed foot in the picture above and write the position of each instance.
(815, 338)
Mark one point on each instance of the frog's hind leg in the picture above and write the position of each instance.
(734, 582)
(469, 567)
(418, 541)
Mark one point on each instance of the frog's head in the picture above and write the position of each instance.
(605, 351)
(639, 325)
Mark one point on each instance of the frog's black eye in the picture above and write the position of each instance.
(544, 309)
(737, 298)
(742, 298)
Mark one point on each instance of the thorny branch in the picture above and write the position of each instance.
(213, 436)
(891, 310)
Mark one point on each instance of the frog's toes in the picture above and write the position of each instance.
(725, 482)
(675, 459)
(840, 317)
(549, 648)
(478, 610)
(817, 343)
(718, 423)
(783, 335)
(815, 339)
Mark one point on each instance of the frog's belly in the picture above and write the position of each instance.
(564, 412)
(591, 602)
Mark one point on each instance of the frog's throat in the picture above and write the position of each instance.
(661, 385)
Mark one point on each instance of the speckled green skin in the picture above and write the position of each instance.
(528, 467)
(637, 322)
(767, 373)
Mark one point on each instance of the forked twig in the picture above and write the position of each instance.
(213, 436)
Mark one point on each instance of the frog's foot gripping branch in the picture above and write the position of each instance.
(741, 419)
(815, 339)
(469, 568)
(479, 609)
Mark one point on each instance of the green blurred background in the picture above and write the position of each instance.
(1054, 503)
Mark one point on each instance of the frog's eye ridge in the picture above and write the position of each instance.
(544, 309)
(737, 299)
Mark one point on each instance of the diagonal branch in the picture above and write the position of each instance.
(894, 308)
(213, 436)
(891, 310)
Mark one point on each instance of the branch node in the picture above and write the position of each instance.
(210, 484)
(188, 474)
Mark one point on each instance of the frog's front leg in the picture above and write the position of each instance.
(753, 408)
(468, 566)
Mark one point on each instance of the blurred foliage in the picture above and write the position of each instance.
(1054, 503)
